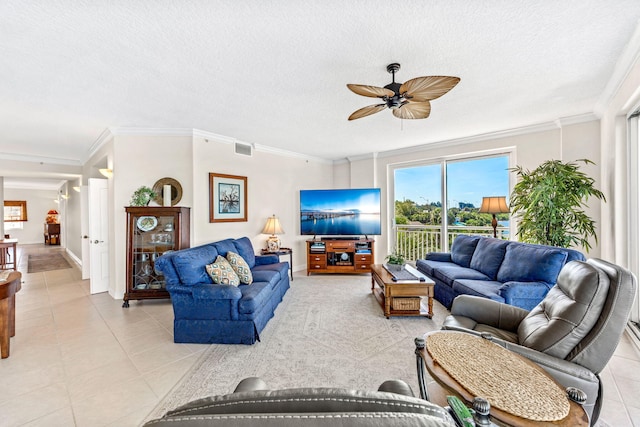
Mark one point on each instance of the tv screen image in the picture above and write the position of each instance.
(340, 212)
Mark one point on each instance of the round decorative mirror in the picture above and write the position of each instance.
(176, 190)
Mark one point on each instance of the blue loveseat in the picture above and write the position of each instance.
(205, 312)
(514, 273)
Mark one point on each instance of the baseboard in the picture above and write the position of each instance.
(74, 257)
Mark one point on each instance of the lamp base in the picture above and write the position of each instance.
(273, 244)
(494, 224)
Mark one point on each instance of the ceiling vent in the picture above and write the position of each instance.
(244, 149)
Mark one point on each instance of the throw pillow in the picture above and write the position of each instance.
(222, 273)
(241, 267)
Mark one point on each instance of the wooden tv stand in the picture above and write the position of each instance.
(345, 256)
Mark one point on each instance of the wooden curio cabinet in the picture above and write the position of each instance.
(151, 232)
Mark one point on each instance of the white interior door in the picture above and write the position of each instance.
(98, 235)
(84, 231)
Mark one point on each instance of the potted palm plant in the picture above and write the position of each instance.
(548, 203)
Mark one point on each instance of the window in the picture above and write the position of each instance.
(436, 201)
(15, 210)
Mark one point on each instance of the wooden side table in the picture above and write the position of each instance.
(282, 251)
(576, 417)
(8, 289)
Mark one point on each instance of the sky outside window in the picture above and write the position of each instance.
(468, 181)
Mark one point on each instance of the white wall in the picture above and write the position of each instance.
(567, 142)
(138, 161)
(274, 182)
(72, 232)
(621, 238)
(39, 202)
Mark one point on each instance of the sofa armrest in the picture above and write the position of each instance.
(488, 312)
(202, 291)
(267, 259)
(439, 256)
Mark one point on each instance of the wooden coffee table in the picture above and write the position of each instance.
(401, 298)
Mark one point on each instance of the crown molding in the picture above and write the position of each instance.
(109, 133)
(39, 159)
(541, 127)
(34, 185)
(367, 156)
(626, 62)
(287, 153)
(523, 130)
(215, 136)
(577, 119)
(103, 138)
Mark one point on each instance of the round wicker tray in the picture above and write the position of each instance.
(505, 379)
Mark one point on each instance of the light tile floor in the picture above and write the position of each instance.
(82, 360)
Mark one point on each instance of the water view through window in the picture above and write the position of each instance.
(423, 193)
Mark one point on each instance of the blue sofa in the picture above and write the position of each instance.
(205, 312)
(514, 273)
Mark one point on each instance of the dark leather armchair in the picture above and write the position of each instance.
(572, 333)
(253, 404)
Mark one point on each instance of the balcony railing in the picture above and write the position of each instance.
(415, 241)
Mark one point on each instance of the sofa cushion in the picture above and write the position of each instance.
(427, 266)
(253, 297)
(245, 249)
(241, 267)
(480, 288)
(447, 274)
(281, 267)
(488, 256)
(270, 276)
(462, 249)
(568, 312)
(190, 264)
(222, 273)
(224, 246)
(523, 263)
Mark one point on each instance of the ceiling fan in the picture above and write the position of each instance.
(408, 100)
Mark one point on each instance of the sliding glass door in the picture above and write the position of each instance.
(418, 210)
(436, 201)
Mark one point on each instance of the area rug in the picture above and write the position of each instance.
(327, 332)
(40, 263)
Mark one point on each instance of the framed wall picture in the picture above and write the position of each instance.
(227, 198)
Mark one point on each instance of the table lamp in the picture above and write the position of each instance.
(273, 227)
(494, 205)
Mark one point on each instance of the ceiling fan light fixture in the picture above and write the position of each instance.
(408, 100)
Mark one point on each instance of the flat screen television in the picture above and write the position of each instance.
(340, 212)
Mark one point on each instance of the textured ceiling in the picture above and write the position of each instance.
(274, 72)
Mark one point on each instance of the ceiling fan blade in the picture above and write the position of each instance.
(367, 111)
(372, 91)
(427, 88)
(413, 110)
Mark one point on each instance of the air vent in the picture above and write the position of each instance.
(244, 149)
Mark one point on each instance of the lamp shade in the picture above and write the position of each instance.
(494, 205)
(272, 226)
(52, 212)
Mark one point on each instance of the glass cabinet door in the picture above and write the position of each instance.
(152, 232)
(153, 236)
